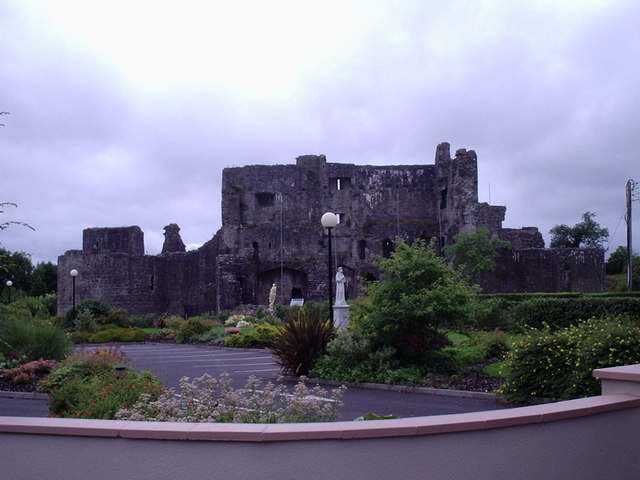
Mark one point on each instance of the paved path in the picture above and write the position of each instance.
(171, 362)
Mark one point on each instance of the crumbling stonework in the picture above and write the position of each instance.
(271, 234)
(172, 239)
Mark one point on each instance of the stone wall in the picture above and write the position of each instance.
(546, 270)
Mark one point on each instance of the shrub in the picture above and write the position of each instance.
(142, 321)
(117, 316)
(417, 293)
(30, 372)
(493, 344)
(263, 334)
(85, 322)
(85, 385)
(174, 322)
(119, 335)
(98, 309)
(233, 320)
(102, 396)
(33, 339)
(206, 399)
(559, 364)
(351, 358)
(36, 306)
(302, 341)
(193, 327)
(240, 341)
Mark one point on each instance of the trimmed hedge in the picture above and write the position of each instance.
(562, 312)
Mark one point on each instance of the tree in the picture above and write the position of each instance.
(417, 293)
(44, 279)
(18, 268)
(617, 262)
(586, 234)
(474, 253)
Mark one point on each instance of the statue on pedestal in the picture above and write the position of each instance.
(340, 281)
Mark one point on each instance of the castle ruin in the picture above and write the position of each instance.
(271, 234)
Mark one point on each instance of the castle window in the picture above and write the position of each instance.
(443, 198)
(387, 248)
(340, 183)
(265, 199)
(341, 217)
(362, 249)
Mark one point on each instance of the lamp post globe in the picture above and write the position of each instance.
(9, 285)
(329, 220)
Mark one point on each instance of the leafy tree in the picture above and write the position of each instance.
(586, 234)
(474, 253)
(417, 293)
(44, 279)
(18, 268)
(617, 262)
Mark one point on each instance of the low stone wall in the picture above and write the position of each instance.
(591, 438)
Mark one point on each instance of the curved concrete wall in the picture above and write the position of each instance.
(592, 438)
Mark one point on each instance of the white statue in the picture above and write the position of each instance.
(272, 299)
(340, 281)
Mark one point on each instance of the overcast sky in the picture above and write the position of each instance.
(126, 112)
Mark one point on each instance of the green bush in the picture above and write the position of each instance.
(174, 322)
(494, 344)
(417, 294)
(36, 306)
(85, 322)
(558, 364)
(119, 335)
(117, 316)
(238, 340)
(302, 341)
(562, 312)
(33, 339)
(142, 321)
(85, 386)
(263, 334)
(189, 330)
(98, 309)
(351, 358)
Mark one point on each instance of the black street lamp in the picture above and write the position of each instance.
(329, 221)
(74, 274)
(9, 284)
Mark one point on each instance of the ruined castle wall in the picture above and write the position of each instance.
(546, 270)
(116, 239)
(120, 279)
(271, 234)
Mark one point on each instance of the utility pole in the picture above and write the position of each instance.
(630, 187)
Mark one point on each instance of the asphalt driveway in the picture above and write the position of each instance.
(171, 362)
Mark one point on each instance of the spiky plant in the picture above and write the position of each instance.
(302, 341)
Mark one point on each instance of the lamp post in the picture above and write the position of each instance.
(74, 274)
(329, 221)
(9, 284)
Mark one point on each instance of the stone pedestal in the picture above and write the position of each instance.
(341, 316)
